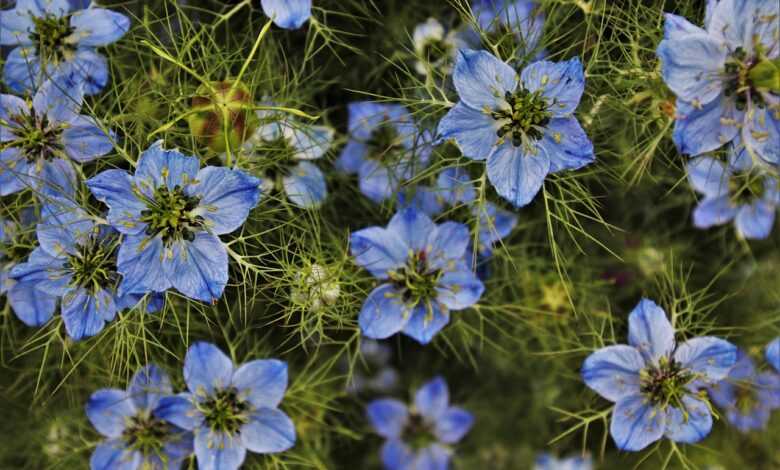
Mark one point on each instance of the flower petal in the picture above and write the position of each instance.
(59, 99)
(516, 175)
(713, 211)
(85, 141)
(352, 157)
(412, 227)
(85, 314)
(141, 263)
(459, 289)
(754, 221)
(22, 69)
(636, 423)
(287, 14)
(773, 353)
(396, 455)
(567, 145)
(226, 197)
(378, 250)
(708, 176)
(108, 409)
(17, 26)
(15, 172)
(268, 431)
(473, 130)
(179, 410)
(305, 185)
(432, 399)
(262, 381)
(453, 424)
(482, 79)
(383, 313)
(388, 417)
(219, 451)
(311, 142)
(761, 133)
(705, 128)
(115, 455)
(677, 27)
(433, 457)
(710, 358)
(650, 332)
(691, 426)
(561, 83)
(158, 166)
(427, 319)
(148, 385)
(199, 269)
(95, 27)
(90, 67)
(692, 66)
(32, 306)
(613, 371)
(206, 369)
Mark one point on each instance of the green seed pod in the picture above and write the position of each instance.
(232, 104)
(765, 75)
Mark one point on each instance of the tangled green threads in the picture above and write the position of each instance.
(94, 265)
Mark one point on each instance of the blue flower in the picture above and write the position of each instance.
(773, 353)
(52, 38)
(385, 148)
(419, 437)
(171, 213)
(715, 74)
(48, 129)
(522, 18)
(740, 191)
(748, 397)
(549, 462)
(655, 382)
(136, 437)
(230, 409)
(287, 14)
(524, 129)
(423, 271)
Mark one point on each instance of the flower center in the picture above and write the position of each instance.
(525, 119)
(35, 136)
(665, 384)
(170, 213)
(745, 399)
(746, 187)
(225, 411)
(416, 280)
(385, 144)
(94, 266)
(739, 80)
(418, 433)
(147, 434)
(50, 36)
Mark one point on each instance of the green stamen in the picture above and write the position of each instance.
(147, 434)
(527, 116)
(170, 213)
(225, 411)
(50, 37)
(416, 280)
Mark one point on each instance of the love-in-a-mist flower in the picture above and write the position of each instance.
(287, 14)
(230, 409)
(550, 462)
(288, 149)
(51, 37)
(773, 353)
(522, 20)
(372, 372)
(385, 148)
(33, 134)
(738, 190)
(423, 271)
(747, 396)
(171, 213)
(434, 47)
(524, 128)
(725, 77)
(656, 382)
(136, 437)
(421, 436)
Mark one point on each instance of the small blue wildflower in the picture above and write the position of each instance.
(423, 271)
(50, 128)
(230, 409)
(419, 437)
(524, 129)
(136, 438)
(740, 191)
(655, 382)
(385, 148)
(522, 18)
(549, 462)
(435, 48)
(171, 213)
(716, 74)
(747, 396)
(52, 37)
(373, 372)
(773, 353)
(287, 14)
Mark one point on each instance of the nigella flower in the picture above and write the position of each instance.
(434, 47)
(52, 38)
(287, 14)
(747, 396)
(773, 353)
(423, 271)
(50, 128)
(655, 382)
(297, 146)
(230, 410)
(722, 76)
(549, 462)
(136, 437)
(522, 19)
(524, 129)
(419, 437)
(385, 148)
(171, 213)
(740, 191)
(372, 372)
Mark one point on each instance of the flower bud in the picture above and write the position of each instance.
(224, 117)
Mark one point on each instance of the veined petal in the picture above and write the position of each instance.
(305, 185)
(413, 227)
(378, 182)
(32, 306)
(95, 27)
(636, 423)
(59, 99)
(383, 313)
(650, 332)
(141, 262)
(288, 14)
(761, 133)
(179, 410)
(158, 166)
(690, 425)
(567, 145)
(91, 68)
(218, 451)
(108, 409)
(710, 358)
(22, 69)
(432, 399)
(116, 189)
(17, 26)
(310, 142)
(517, 176)
(378, 250)
(456, 186)
(199, 268)
(708, 176)
(613, 371)
(473, 130)
(561, 83)
(459, 289)
(206, 369)
(692, 66)
(115, 455)
(85, 313)
(446, 245)
(677, 27)
(148, 385)
(226, 197)
(388, 417)
(754, 221)
(482, 79)
(714, 211)
(16, 172)
(263, 382)
(85, 141)
(427, 319)
(268, 431)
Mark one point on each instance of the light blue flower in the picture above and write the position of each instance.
(549, 462)
(287, 14)
(419, 437)
(136, 438)
(773, 353)
(52, 38)
(33, 134)
(655, 382)
(230, 409)
(171, 213)
(523, 19)
(747, 396)
(739, 191)
(385, 148)
(715, 73)
(423, 271)
(524, 128)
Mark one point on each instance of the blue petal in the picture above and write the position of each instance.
(459, 289)
(613, 371)
(482, 79)
(22, 69)
(377, 182)
(31, 306)
(422, 198)
(710, 358)
(433, 457)
(432, 399)
(378, 250)
(388, 417)
(365, 117)
(526, 19)
(731, 21)
(396, 455)
(494, 224)
(453, 424)
(708, 176)
(692, 67)
(199, 269)
(773, 353)
(691, 426)
(636, 423)
(47, 271)
(676, 27)
(713, 211)
(158, 166)
(179, 410)
(650, 332)
(754, 221)
(96, 27)
(59, 99)
(85, 314)
(55, 8)
(473, 130)
(762, 133)
(10, 106)
(352, 157)
(456, 186)
(703, 129)
(17, 26)
(383, 313)
(310, 142)
(206, 369)
(218, 451)
(90, 67)
(268, 431)
(85, 141)
(148, 385)
(561, 83)
(63, 228)
(413, 227)
(305, 185)
(288, 14)
(141, 263)
(59, 180)
(427, 319)
(567, 145)
(516, 175)
(15, 172)
(108, 410)
(115, 189)
(115, 455)
(263, 382)
(227, 197)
